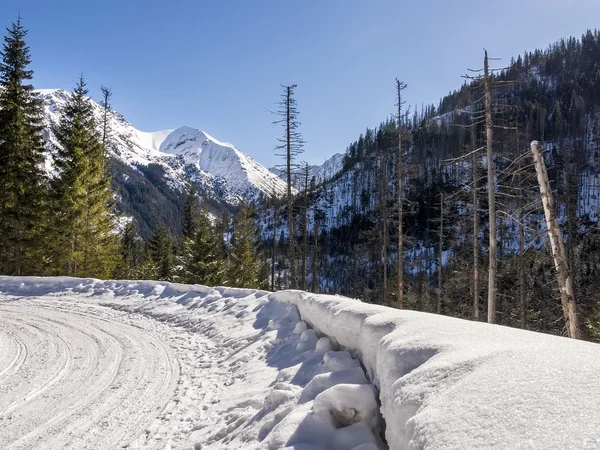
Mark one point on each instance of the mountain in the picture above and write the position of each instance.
(152, 171)
(331, 167)
(549, 95)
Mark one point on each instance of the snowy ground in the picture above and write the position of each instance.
(141, 365)
(149, 365)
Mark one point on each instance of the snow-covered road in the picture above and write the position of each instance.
(76, 375)
(89, 364)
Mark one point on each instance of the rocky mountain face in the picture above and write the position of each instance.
(153, 171)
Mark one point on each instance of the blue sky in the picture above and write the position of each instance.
(218, 65)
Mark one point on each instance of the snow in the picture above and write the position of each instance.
(151, 365)
(105, 364)
(219, 170)
(447, 383)
(222, 160)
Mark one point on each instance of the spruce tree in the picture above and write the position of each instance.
(204, 266)
(86, 244)
(132, 252)
(160, 251)
(22, 180)
(189, 227)
(243, 264)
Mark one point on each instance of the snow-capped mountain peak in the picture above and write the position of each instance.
(219, 170)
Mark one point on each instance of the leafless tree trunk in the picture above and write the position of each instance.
(521, 224)
(304, 229)
(440, 255)
(290, 201)
(315, 256)
(291, 144)
(491, 194)
(475, 175)
(384, 224)
(106, 94)
(565, 281)
(274, 250)
(399, 88)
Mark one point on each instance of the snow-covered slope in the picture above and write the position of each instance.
(219, 170)
(322, 172)
(448, 383)
(221, 159)
(239, 368)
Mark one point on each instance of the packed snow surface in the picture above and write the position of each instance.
(453, 384)
(90, 364)
(151, 365)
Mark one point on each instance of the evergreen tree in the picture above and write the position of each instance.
(190, 215)
(205, 265)
(22, 183)
(85, 244)
(243, 264)
(132, 252)
(160, 252)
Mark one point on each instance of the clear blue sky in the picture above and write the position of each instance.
(217, 65)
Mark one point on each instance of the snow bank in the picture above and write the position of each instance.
(447, 383)
(252, 375)
(264, 379)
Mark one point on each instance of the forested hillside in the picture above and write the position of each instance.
(351, 224)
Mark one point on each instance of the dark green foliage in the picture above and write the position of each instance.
(83, 241)
(243, 262)
(189, 227)
(159, 249)
(205, 264)
(132, 253)
(22, 183)
(145, 195)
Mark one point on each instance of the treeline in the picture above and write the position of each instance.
(211, 252)
(57, 205)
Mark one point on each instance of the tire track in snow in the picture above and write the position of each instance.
(78, 378)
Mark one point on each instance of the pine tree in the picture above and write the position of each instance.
(243, 263)
(132, 252)
(22, 182)
(204, 266)
(86, 244)
(160, 252)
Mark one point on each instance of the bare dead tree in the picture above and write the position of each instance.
(305, 195)
(292, 145)
(475, 200)
(440, 255)
(275, 201)
(400, 86)
(106, 109)
(565, 280)
(383, 215)
(493, 238)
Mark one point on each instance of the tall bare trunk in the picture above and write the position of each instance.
(399, 87)
(290, 201)
(440, 255)
(475, 174)
(384, 225)
(522, 295)
(315, 257)
(565, 281)
(274, 249)
(491, 195)
(304, 230)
